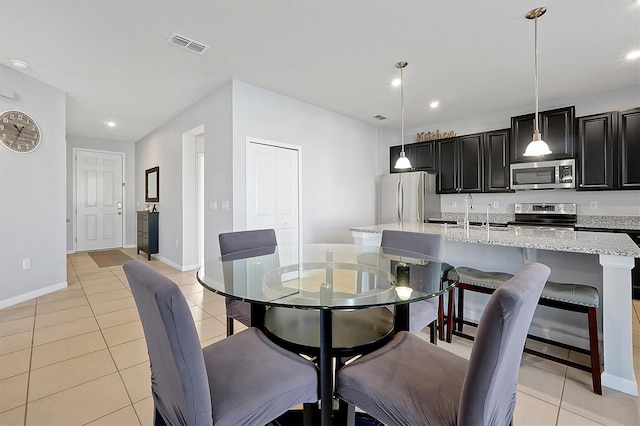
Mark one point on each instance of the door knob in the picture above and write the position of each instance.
(119, 205)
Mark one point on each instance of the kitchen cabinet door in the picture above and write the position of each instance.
(629, 149)
(423, 154)
(447, 158)
(470, 163)
(558, 131)
(595, 151)
(496, 161)
(394, 153)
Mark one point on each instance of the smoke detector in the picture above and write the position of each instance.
(187, 43)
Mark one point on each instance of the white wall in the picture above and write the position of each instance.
(33, 195)
(339, 160)
(129, 208)
(163, 148)
(617, 203)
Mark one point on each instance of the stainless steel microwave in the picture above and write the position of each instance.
(556, 174)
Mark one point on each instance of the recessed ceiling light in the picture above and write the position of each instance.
(635, 54)
(110, 123)
(434, 104)
(396, 82)
(19, 64)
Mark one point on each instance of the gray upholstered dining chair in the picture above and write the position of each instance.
(411, 382)
(424, 312)
(244, 379)
(233, 242)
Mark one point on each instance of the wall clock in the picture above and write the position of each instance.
(18, 131)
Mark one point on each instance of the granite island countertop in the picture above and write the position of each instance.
(543, 239)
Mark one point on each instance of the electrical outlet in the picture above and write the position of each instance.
(26, 264)
(496, 204)
(454, 204)
(213, 205)
(593, 205)
(225, 205)
(176, 243)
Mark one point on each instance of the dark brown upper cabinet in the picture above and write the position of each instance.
(460, 164)
(558, 130)
(595, 151)
(607, 151)
(421, 155)
(496, 161)
(629, 149)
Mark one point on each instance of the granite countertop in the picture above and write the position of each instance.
(630, 223)
(557, 240)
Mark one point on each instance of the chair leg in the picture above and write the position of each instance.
(450, 314)
(433, 332)
(460, 316)
(229, 326)
(346, 414)
(595, 350)
(441, 314)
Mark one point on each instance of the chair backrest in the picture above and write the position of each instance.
(489, 391)
(415, 242)
(232, 242)
(179, 382)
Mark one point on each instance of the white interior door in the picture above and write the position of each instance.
(272, 190)
(98, 200)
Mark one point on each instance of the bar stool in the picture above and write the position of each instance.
(564, 296)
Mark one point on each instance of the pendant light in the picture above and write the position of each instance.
(403, 162)
(537, 146)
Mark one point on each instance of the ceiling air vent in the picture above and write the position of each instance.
(379, 117)
(187, 43)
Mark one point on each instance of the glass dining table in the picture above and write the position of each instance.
(339, 294)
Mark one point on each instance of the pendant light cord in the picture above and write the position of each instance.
(402, 109)
(535, 23)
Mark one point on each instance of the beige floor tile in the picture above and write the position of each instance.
(636, 339)
(203, 298)
(60, 317)
(144, 410)
(64, 294)
(14, 417)
(63, 331)
(14, 363)
(15, 313)
(111, 319)
(112, 285)
(210, 328)
(531, 411)
(198, 314)
(541, 378)
(90, 276)
(612, 407)
(123, 333)
(103, 280)
(126, 416)
(13, 391)
(137, 380)
(61, 305)
(65, 349)
(107, 296)
(113, 305)
(80, 404)
(183, 278)
(67, 374)
(15, 342)
(215, 308)
(8, 328)
(567, 418)
(130, 353)
(192, 288)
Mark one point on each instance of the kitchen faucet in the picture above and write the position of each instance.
(468, 204)
(488, 208)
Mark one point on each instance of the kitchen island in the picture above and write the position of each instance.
(601, 260)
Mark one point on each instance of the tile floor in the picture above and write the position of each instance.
(78, 356)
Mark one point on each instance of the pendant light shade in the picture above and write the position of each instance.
(537, 146)
(403, 162)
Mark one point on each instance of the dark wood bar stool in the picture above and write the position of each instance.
(565, 296)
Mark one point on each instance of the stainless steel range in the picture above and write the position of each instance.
(549, 216)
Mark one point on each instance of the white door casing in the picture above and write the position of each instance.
(273, 183)
(99, 200)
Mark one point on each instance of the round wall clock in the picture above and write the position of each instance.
(18, 131)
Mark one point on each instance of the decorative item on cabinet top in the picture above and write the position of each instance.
(432, 136)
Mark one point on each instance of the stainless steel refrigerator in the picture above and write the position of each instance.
(408, 197)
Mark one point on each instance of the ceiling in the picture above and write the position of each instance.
(113, 61)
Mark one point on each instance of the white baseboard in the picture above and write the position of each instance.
(130, 246)
(186, 268)
(32, 294)
(72, 251)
